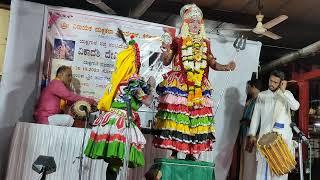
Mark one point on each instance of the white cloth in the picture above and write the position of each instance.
(61, 120)
(64, 144)
(272, 105)
(248, 163)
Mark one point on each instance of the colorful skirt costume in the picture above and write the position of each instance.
(108, 137)
(107, 140)
(184, 121)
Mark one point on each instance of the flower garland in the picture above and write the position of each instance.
(194, 59)
(137, 50)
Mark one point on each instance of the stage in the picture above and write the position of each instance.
(64, 144)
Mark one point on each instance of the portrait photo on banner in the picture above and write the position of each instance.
(64, 49)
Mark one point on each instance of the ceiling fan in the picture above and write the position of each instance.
(102, 5)
(262, 29)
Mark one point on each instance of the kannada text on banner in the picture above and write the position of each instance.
(88, 42)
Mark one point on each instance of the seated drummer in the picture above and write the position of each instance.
(54, 99)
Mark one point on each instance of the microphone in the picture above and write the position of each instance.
(300, 134)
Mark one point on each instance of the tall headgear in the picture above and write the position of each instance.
(191, 11)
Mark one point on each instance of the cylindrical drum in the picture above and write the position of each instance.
(273, 147)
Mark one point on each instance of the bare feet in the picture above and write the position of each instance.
(174, 155)
(190, 157)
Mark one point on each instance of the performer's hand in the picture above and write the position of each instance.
(152, 82)
(92, 102)
(95, 103)
(165, 47)
(251, 142)
(283, 85)
(166, 40)
(231, 66)
(94, 108)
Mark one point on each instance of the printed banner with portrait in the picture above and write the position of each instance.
(88, 42)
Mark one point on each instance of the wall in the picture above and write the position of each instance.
(4, 21)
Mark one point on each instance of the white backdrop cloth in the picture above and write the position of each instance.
(19, 84)
(64, 144)
(232, 88)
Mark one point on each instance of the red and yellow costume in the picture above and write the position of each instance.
(184, 121)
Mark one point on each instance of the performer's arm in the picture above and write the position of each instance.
(289, 98)
(256, 118)
(255, 123)
(147, 100)
(168, 52)
(219, 67)
(63, 92)
(212, 62)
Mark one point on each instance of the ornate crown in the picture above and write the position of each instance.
(191, 11)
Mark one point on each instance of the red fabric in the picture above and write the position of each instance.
(178, 108)
(106, 137)
(175, 75)
(136, 119)
(200, 112)
(182, 146)
(110, 138)
(206, 71)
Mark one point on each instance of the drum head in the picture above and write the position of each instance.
(77, 108)
(268, 138)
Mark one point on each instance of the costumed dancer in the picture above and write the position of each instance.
(184, 122)
(272, 114)
(56, 99)
(107, 139)
(248, 164)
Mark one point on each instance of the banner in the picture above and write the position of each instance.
(88, 42)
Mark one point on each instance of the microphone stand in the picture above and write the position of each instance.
(83, 139)
(310, 163)
(300, 157)
(127, 99)
(44, 173)
(300, 141)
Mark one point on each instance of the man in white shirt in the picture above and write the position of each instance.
(272, 118)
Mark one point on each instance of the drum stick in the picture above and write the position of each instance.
(292, 81)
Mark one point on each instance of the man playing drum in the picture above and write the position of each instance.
(53, 100)
(272, 113)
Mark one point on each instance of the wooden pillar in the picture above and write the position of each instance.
(304, 106)
(304, 111)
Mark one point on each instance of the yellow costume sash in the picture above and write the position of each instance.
(125, 68)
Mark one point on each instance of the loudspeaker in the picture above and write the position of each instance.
(44, 164)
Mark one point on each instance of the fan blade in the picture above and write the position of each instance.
(234, 29)
(271, 35)
(105, 8)
(275, 21)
